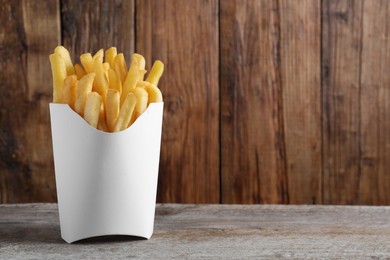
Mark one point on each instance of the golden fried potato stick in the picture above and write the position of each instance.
(58, 70)
(87, 62)
(110, 56)
(112, 108)
(69, 92)
(84, 87)
(79, 71)
(120, 66)
(92, 108)
(156, 72)
(106, 67)
(142, 103)
(154, 94)
(143, 84)
(99, 54)
(102, 124)
(141, 65)
(100, 85)
(114, 81)
(132, 76)
(125, 113)
(64, 53)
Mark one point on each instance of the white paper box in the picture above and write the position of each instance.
(106, 182)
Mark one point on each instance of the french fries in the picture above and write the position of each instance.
(58, 70)
(64, 53)
(112, 111)
(110, 56)
(69, 92)
(125, 113)
(120, 66)
(79, 71)
(108, 95)
(84, 87)
(155, 73)
(92, 109)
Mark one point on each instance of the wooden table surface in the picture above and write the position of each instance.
(32, 231)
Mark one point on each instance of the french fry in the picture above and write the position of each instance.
(92, 108)
(110, 56)
(141, 65)
(112, 108)
(108, 95)
(58, 69)
(142, 103)
(154, 94)
(125, 113)
(106, 67)
(100, 84)
(143, 84)
(64, 53)
(84, 87)
(102, 124)
(114, 81)
(87, 62)
(155, 73)
(79, 71)
(69, 92)
(120, 66)
(132, 77)
(99, 54)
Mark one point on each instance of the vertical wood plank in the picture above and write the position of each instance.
(184, 35)
(29, 32)
(88, 26)
(300, 59)
(374, 185)
(252, 130)
(341, 52)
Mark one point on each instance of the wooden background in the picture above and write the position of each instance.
(265, 101)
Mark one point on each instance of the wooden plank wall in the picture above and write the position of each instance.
(265, 101)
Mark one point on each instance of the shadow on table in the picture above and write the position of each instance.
(35, 233)
(109, 239)
(16, 232)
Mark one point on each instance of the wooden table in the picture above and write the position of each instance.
(209, 231)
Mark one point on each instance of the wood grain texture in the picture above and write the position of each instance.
(341, 69)
(210, 232)
(252, 134)
(374, 185)
(300, 61)
(88, 26)
(184, 35)
(29, 33)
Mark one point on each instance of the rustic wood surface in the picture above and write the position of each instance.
(374, 185)
(184, 34)
(31, 231)
(88, 26)
(270, 101)
(300, 59)
(341, 67)
(30, 31)
(265, 101)
(252, 137)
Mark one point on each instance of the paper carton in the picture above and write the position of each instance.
(106, 182)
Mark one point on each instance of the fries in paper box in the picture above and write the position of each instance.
(106, 126)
